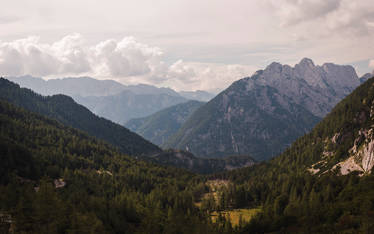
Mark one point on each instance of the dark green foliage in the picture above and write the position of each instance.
(105, 191)
(186, 160)
(65, 110)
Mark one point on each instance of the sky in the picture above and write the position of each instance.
(182, 44)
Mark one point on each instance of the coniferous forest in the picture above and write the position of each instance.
(104, 191)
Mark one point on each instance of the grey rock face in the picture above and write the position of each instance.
(263, 114)
(317, 88)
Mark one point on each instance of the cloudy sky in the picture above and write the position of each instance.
(183, 44)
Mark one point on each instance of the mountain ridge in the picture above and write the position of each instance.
(66, 110)
(159, 126)
(289, 99)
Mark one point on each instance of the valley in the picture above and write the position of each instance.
(317, 180)
(312, 171)
(187, 117)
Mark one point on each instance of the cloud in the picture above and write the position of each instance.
(206, 76)
(126, 60)
(371, 64)
(295, 11)
(126, 57)
(182, 72)
(27, 56)
(8, 19)
(71, 55)
(333, 15)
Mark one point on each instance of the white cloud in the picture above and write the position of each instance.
(328, 16)
(27, 56)
(71, 55)
(206, 76)
(182, 72)
(293, 11)
(126, 60)
(126, 57)
(371, 64)
(8, 19)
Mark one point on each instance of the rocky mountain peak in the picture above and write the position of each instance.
(322, 84)
(274, 67)
(307, 63)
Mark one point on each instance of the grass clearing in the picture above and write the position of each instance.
(234, 215)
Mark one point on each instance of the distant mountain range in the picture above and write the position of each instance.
(63, 109)
(158, 127)
(111, 99)
(263, 114)
(68, 112)
(80, 86)
(198, 95)
(127, 105)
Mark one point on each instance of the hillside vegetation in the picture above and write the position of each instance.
(56, 179)
(63, 109)
(305, 189)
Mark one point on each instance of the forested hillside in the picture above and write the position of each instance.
(323, 183)
(55, 179)
(65, 110)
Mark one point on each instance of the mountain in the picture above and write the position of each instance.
(65, 110)
(56, 179)
(108, 98)
(323, 183)
(150, 89)
(186, 160)
(79, 86)
(263, 114)
(197, 95)
(87, 86)
(365, 77)
(128, 105)
(158, 127)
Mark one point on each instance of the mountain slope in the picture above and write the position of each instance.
(260, 123)
(127, 105)
(263, 114)
(65, 110)
(323, 183)
(158, 127)
(56, 179)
